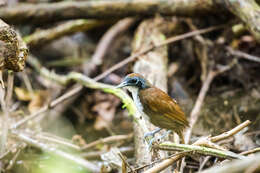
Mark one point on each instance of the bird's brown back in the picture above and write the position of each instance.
(162, 110)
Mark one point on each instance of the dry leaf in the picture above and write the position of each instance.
(37, 98)
(106, 114)
(23, 94)
(79, 140)
(100, 123)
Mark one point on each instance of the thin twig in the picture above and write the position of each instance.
(206, 159)
(166, 163)
(13, 160)
(255, 150)
(230, 133)
(149, 48)
(27, 82)
(243, 55)
(208, 141)
(109, 139)
(4, 154)
(95, 155)
(125, 162)
(199, 102)
(57, 140)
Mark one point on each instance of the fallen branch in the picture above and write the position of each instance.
(248, 12)
(36, 13)
(41, 37)
(169, 146)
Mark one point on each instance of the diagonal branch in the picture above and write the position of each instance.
(150, 48)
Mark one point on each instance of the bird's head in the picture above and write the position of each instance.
(134, 81)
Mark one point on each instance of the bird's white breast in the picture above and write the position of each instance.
(134, 92)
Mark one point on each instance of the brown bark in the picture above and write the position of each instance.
(104, 9)
(13, 50)
(247, 11)
(152, 66)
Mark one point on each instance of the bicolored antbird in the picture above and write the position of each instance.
(158, 106)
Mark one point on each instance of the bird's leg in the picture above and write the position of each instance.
(149, 136)
(152, 133)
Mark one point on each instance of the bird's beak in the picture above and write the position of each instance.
(121, 85)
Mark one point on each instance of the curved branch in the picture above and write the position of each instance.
(41, 37)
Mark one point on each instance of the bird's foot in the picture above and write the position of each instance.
(158, 139)
(150, 135)
(150, 138)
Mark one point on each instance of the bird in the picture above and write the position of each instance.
(160, 109)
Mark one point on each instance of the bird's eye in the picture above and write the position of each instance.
(133, 81)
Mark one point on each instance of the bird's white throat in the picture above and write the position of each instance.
(135, 94)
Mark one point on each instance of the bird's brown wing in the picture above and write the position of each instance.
(162, 104)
